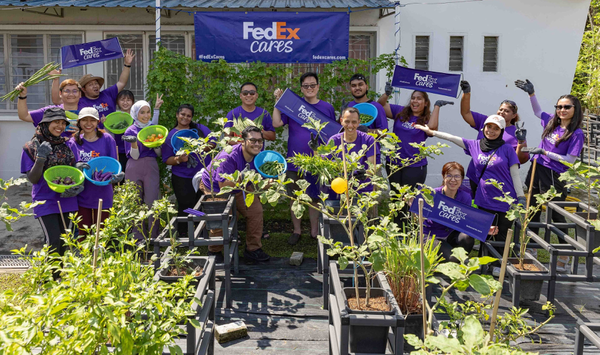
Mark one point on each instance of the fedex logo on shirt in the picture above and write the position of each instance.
(407, 125)
(553, 138)
(451, 213)
(483, 159)
(87, 156)
(274, 38)
(101, 108)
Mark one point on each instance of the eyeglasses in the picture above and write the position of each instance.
(453, 177)
(248, 92)
(309, 86)
(560, 107)
(69, 92)
(255, 141)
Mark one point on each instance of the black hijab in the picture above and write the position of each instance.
(487, 145)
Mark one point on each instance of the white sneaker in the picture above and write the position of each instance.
(496, 271)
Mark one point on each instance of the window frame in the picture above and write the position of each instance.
(429, 49)
(483, 37)
(463, 50)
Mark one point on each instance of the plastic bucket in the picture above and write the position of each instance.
(116, 117)
(63, 171)
(147, 132)
(104, 164)
(177, 143)
(269, 155)
(366, 108)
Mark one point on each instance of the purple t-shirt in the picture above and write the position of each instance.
(133, 130)
(233, 162)
(381, 120)
(106, 103)
(267, 121)
(41, 192)
(102, 147)
(300, 136)
(38, 115)
(572, 146)
(361, 139)
(508, 137)
(440, 231)
(182, 170)
(407, 134)
(498, 168)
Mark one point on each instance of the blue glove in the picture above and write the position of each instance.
(526, 86)
(117, 178)
(521, 200)
(72, 192)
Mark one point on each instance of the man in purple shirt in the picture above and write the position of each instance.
(298, 138)
(249, 110)
(103, 101)
(359, 89)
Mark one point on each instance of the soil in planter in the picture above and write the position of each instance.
(527, 267)
(214, 199)
(375, 304)
(184, 271)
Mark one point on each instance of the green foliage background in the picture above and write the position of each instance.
(213, 88)
(586, 83)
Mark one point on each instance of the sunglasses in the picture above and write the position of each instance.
(309, 86)
(560, 107)
(248, 92)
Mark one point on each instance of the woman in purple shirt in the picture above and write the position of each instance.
(184, 166)
(493, 159)
(46, 149)
(91, 142)
(513, 134)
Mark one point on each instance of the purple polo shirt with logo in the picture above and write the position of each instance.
(182, 170)
(440, 231)
(407, 134)
(508, 137)
(233, 162)
(572, 146)
(38, 115)
(498, 168)
(41, 192)
(106, 103)
(102, 147)
(267, 121)
(381, 120)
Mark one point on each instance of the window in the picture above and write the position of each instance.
(21, 55)
(490, 53)
(422, 52)
(175, 43)
(455, 62)
(114, 67)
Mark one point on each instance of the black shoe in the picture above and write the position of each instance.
(293, 239)
(256, 255)
(219, 259)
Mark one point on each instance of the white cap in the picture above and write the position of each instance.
(497, 120)
(88, 112)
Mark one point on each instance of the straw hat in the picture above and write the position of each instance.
(89, 77)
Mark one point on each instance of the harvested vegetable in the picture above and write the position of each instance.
(120, 125)
(100, 175)
(272, 167)
(67, 180)
(365, 117)
(153, 138)
(39, 76)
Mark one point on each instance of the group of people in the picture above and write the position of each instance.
(496, 153)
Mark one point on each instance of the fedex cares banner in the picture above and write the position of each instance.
(300, 111)
(455, 215)
(272, 37)
(92, 52)
(429, 81)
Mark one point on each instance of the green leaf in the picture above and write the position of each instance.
(342, 262)
(447, 345)
(249, 199)
(452, 270)
(460, 254)
(473, 334)
(479, 284)
(484, 260)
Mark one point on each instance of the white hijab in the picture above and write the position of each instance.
(135, 110)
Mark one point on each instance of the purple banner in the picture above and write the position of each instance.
(299, 110)
(455, 215)
(92, 52)
(429, 81)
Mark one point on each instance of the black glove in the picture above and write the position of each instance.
(520, 133)
(82, 166)
(43, 150)
(526, 86)
(117, 178)
(521, 200)
(465, 86)
(441, 103)
(192, 162)
(362, 128)
(389, 89)
(314, 142)
(359, 174)
(537, 151)
(129, 139)
(72, 191)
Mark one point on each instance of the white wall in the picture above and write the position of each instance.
(539, 40)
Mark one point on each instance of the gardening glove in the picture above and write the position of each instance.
(243, 172)
(43, 150)
(360, 174)
(521, 132)
(82, 166)
(314, 142)
(537, 151)
(72, 191)
(526, 86)
(192, 162)
(389, 89)
(363, 128)
(465, 86)
(129, 139)
(441, 103)
(117, 178)
(521, 200)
